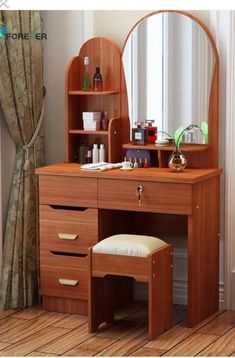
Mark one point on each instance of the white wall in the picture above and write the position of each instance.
(65, 36)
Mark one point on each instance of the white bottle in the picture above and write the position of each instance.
(102, 153)
(95, 153)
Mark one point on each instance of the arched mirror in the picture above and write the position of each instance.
(169, 64)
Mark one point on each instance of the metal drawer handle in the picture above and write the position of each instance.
(64, 236)
(67, 282)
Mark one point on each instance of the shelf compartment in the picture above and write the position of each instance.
(92, 93)
(81, 131)
(183, 147)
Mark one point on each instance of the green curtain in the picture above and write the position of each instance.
(21, 99)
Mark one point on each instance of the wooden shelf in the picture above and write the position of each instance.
(81, 131)
(93, 93)
(183, 147)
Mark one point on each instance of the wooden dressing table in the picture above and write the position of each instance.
(79, 208)
(65, 190)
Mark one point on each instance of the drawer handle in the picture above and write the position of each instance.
(67, 282)
(63, 236)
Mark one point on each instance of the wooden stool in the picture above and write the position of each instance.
(146, 259)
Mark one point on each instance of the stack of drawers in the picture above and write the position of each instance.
(67, 229)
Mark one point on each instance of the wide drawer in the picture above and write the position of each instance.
(72, 191)
(67, 230)
(156, 196)
(64, 282)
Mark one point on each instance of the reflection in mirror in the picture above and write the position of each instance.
(168, 63)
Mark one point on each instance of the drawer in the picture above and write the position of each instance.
(172, 198)
(65, 282)
(72, 191)
(67, 230)
(58, 258)
(64, 275)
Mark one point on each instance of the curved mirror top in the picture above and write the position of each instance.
(169, 63)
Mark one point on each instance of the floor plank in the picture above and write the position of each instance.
(220, 325)
(224, 346)
(3, 345)
(30, 327)
(29, 313)
(40, 354)
(127, 345)
(90, 347)
(68, 341)
(8, 323)
(148, 352)
(176, 334)
(71, 322)
(191, 346)
(34, 342)
(4, 314)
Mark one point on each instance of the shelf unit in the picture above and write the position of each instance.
(105, 54)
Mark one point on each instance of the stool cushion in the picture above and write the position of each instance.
(129, 245)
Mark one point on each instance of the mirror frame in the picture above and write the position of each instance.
(209, 157)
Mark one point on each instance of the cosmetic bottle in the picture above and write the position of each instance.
(89, 156)
(97, 80)
(136, 165)
(102, 153)
(138, 134)
(151, 131)
(146, 163)
(141, 164)
(105, 121)
(95, 153)
(86, 83)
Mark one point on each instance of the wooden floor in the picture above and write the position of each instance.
(34, 332)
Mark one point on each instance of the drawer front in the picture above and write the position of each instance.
(67, 230)
(156, 197)
(56, 258)
(64, 282)
(72, 191)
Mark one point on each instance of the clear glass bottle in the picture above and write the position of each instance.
(86, 83)
(136, 165)
(97, 80)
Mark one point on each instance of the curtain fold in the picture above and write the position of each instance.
(21, 99)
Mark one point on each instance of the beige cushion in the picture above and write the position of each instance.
(129, 245)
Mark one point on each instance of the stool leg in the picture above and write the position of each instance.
(160, 291)
(100, 299)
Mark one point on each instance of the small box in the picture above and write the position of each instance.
(91, 115)
(91, 120)
(91, 124)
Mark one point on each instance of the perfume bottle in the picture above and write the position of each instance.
(151, 131)
(138, 134)
(97, 80)
(105, 121)
(86, 83)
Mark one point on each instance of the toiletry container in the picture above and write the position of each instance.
(105, 121)
(151, 131)
(97, 80)
(95, 153)
(102, 153)
(86, 83)
(138, 134)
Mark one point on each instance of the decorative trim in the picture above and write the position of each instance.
(88, 25)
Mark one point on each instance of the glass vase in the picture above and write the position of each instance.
(177, 161)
